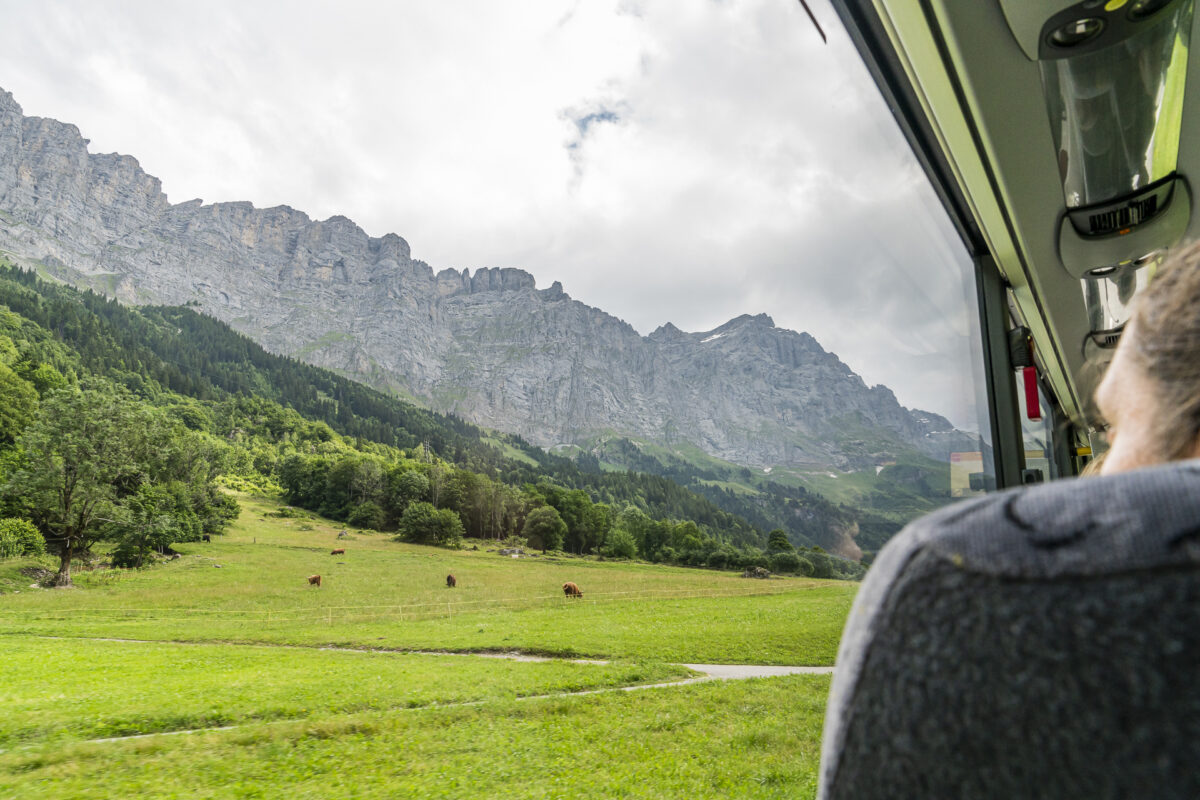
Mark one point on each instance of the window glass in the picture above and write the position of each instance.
(1037, 436)
(910, 267)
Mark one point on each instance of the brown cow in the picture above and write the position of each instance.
(451, 582)
(571, 590)
(341, 551)
(314, 580)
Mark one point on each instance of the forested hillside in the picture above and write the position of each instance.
(488, 346)
(340, 448)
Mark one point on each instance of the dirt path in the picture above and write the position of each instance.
(734, 672)
(712, 672)
(722, 672)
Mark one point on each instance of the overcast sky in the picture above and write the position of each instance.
(683, 161)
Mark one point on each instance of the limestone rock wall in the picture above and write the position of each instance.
(489, 345)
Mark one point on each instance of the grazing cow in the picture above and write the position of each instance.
(341, 551)
(206, 538)
(342, 534)
(571, 590)
(314, 580)
(451, 582)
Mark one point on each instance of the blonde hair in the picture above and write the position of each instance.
(1165, 344)
(1092, 468)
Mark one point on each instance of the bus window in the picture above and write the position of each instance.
(916, 272)
(1037, 436)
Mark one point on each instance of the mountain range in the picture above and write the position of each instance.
(488, 346)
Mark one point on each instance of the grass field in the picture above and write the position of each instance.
(388, 594)
(242, 645)
(144, 687)
(752, 739)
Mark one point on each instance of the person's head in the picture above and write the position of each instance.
(1150, 394)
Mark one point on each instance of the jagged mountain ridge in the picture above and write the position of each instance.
(489, 346)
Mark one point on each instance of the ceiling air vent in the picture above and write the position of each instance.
(1121, 217)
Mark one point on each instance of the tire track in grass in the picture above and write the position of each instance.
(720, 672)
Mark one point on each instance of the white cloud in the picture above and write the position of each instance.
(681, 162)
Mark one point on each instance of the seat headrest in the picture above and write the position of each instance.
(1092, 526)
(1105, 528)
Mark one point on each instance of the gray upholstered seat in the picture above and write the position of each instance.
(1042, 642)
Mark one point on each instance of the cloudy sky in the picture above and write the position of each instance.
(666, 160)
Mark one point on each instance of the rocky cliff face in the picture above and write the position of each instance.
(489, 346)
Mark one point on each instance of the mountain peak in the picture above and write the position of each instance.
(748, 321)
(757, 319)
(9, 104)
(665, 331)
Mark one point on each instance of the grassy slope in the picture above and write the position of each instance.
(320, 723)
(385, 593)
(853, 488)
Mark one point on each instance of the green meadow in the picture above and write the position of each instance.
(754, 739)
(224, 674)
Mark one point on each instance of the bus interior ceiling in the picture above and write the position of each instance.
(1054, 131)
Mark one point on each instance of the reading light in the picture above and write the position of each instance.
(1108, 293)
(1077, 32)
(1141, 9)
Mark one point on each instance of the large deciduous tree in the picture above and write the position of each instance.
(78, 454)
(545, 526)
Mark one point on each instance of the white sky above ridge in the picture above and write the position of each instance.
(666, 161)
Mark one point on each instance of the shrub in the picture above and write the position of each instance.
(514, 542)
(128, 555)
(449, 529)
(786, 562)
(822, 563)
(148, 522)
(19, 537)
(366, 515)
(619, 544)
(424, 524)
(287, 512)
(251, 484)
(753, 558)
(777, 541)
(218, 512)
(717, 559)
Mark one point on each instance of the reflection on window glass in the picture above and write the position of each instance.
(1038, 439)
(909, 266)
